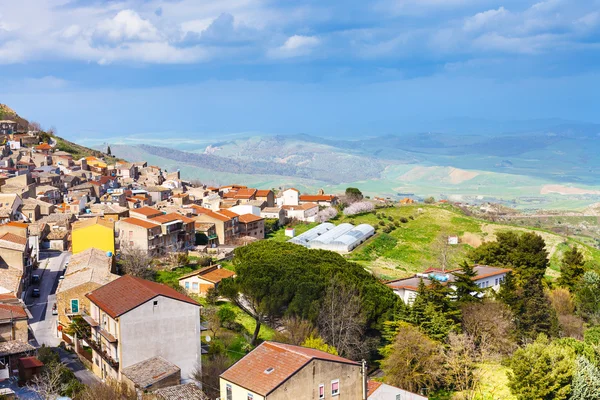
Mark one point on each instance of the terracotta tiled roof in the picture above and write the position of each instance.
(248, 218)
(140, 222)
(245, 193)
(263, 193)
(30, 362)
(127, 292)
(317, 197)
(11, 237)
(163, 219)
(17, 224)
(84, 223)
(372, 386)
(147, 211)
(228, 213)
(212, 274)
(271, 364)
(8, 311)
(212, 214)
(43, 146)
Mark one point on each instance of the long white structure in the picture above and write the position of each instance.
(342, 238)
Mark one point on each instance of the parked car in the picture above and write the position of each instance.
(54, 309)
(35, 292)
(35, 278)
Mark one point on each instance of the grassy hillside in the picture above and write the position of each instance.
(414, 245)
(79, 151)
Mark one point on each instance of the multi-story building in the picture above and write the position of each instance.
(157, 235)
(253, 226)
(133, 320)
(226, 223)
(93, 232)
(275, 371)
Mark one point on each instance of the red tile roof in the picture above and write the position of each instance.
(163, 219)
(147, 211)
(317, 197)
(284, 359)
(140, 222)
(17, 224)
(263, 193)
(43, 146)
(372, 386)
(248, 218)
(227, 213)
(245, 193)
(126, 293)
(212, 214)
(11, 237)
(8, 311)
(30, 362)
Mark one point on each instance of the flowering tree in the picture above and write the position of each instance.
(326, 214)
(359, 208)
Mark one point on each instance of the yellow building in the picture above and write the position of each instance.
(93, 232)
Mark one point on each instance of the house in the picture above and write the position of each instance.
(245, 209)
(322, 199)
(110, 212)
(158, 193)
(187, 391)
(93, 232)
(15, 262)
(289, 197)
(206, 234)
(382, 391)
(10, 353)
(306, 212)
(277, 213)
(226, 224)
(140, 234)
(134, 320)
(178, 231)
(87, 271)
(282, 371)
(13, 320)
(7, 127)
(487, 277)
(145, 213)
(251, 225)
(9, 207)
(201, 281)
(267, 196)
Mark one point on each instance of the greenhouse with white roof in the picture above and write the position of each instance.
(342, 238)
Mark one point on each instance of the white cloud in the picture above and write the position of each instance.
(295, 46)
(126, 25)
(480, 20)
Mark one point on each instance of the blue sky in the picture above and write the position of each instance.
(99, 69)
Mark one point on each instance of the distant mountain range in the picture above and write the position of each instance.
(530, 168)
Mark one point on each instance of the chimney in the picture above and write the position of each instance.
(363, 371)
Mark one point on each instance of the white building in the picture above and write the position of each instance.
(134, 320)
(487, 277)
(382, 391)
(243, 209)
(289, 197)
(305, 212)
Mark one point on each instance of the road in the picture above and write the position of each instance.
(43, 324)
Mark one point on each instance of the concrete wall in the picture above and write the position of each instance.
(202, 285)
(290, 197)
(171, 329)
(17, 330)
(63, 300)
(305, 383)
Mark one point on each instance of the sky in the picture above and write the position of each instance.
(196, 68)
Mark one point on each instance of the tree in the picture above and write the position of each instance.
(109, 390)
(460, 363)
(49, 383)
(465, 288)
(295, 331)
(108, 150)
(317, 343)
(444, 250)
(353, 195)
(326, 214)
(136, 262)
(211, 317)
(571, 269)
(525, 253)
(413, 361)
(570, 325)
(490, 326)
(533, 312)
(429, 200)
(542, 370)
(359, 208)
(587, 297)
(586, 381)
(341, 322)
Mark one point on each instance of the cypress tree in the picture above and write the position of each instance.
(465, 288)
(571, 269)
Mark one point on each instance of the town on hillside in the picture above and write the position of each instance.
(124, 280)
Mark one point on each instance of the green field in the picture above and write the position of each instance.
(414, 245)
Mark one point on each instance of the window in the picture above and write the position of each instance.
(496, 282)
(74, 306)
(195, 286)
(335, 387)
(250, 396)
(187, 285)
(155, 302)
(398, 397)
(321, 391)
(228, 392)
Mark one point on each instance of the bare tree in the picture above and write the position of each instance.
(48, 385)
(461, 358)
(211, 316)
(490, 325)
(35, 126)
(136, 262)
(341, 321)
(444, 250)
(295, 331)
(212, 368)
(107, 391)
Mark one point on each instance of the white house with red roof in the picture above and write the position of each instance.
(282, 371)
(134, 321)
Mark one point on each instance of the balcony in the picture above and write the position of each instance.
(104, 354)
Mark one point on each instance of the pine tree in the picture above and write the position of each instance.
(571, 269)
(508, 290)
(108, 150)
(533, 312)
(465, 288)
(586, 381)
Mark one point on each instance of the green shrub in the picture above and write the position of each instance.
(404, 220)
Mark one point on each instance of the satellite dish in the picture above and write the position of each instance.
(208, 339)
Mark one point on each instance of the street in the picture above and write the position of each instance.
(43, 324)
